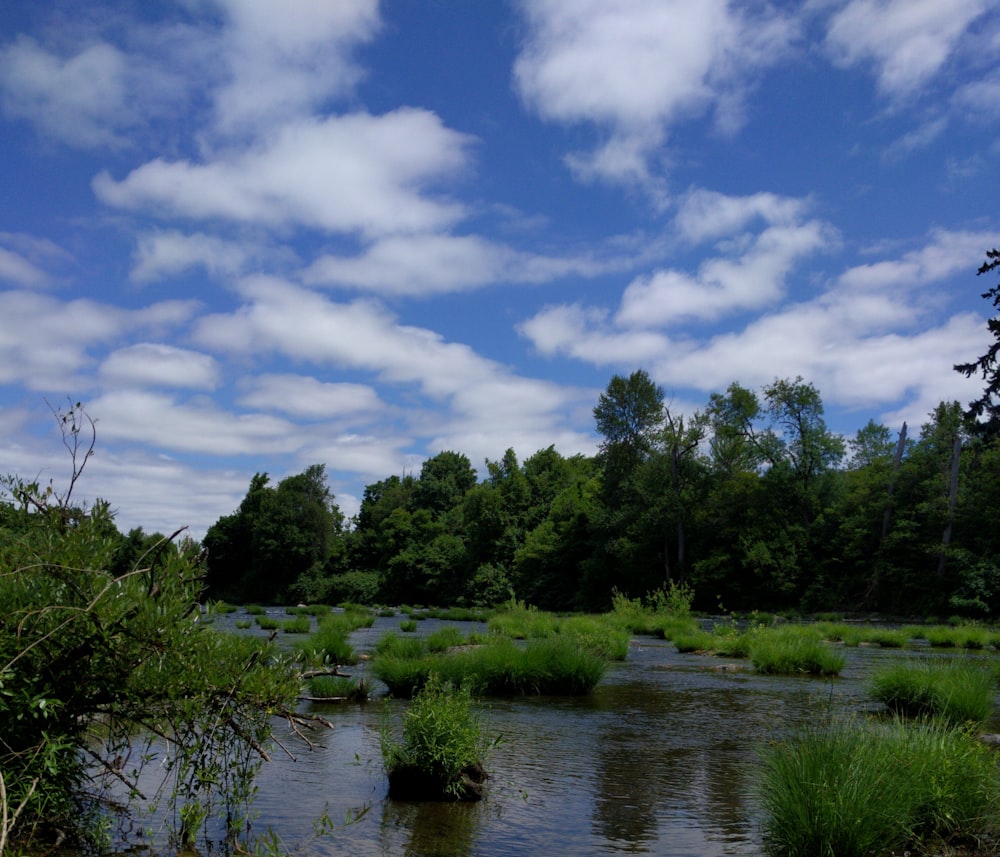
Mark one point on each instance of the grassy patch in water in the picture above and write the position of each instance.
(443, 746)
(328, 643)
(793, 650)
(296, 625)
(957, 690)
(499, 668)
(857, 789)
(958, 637)
(337, 688)
(408, 626)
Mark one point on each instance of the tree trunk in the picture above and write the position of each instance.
(952, 502)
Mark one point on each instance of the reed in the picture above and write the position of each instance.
(855, 789)
(959, 691)
(792, 650)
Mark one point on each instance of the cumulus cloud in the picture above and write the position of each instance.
(634, 69)
(159, 365)
(78, 99)
(303, 396)
(285, 65)
(906, 41)
(878, 334)
(45, 342)
(344, 174)
(435, 264)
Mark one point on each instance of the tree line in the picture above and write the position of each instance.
(752, 500)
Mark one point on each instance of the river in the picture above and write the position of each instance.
(658, 760)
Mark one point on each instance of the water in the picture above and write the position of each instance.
(659, 760)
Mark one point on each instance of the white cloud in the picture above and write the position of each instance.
(14, 268)
(635, 68)
(750, 274)
(302, 396)
(341, 174)
(908, 41)
(435, 264)
(79, 99)
(155, 364)
(286, 62)
(165, 253)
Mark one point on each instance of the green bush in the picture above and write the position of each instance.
(792, 650)
(858, 789)
(443, 747)
(957, 690)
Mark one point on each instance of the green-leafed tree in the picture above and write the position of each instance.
(985, 411)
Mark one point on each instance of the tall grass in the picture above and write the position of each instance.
(956, 690)
(792, 650)
(857, 789)
(328, 643)
(500, 668)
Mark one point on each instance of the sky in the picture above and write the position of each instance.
(253, 236)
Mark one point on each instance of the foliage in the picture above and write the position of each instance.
(959, 691)
(443, 745)
(986, 408)
(854, 789)
(97, 666)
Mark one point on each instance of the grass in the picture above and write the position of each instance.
(959, 691)
(792, 650)
(335, 688)
(267, 623)
(443, 747)
(408, 626)
(444, 638)
(328, 643)
(522, 622)
(296, 625)
(499, 668)
(958, 636)
(860, 789)
(255, 610)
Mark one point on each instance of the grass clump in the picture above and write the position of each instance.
(335, 688)
(328, 643)
(296, 625)
(521, 621)
(856, 789)
(392, 645)
(793, 650)
(408, 626)
(958, 691)
(499, 668)
(444, 638)
(267, 623)
(597, 635)
(443, 747)
(255, 610)
(695, 640)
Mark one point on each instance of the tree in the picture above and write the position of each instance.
(986, 409)
(628, 414)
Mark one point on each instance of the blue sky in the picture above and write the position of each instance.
(253, 236)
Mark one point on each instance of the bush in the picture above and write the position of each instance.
(959, 691)
(863, 789)
(443, 747)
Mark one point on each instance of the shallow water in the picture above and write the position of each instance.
(658, 760)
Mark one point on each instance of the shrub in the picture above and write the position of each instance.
(443, 747)
(861, 789)
(959, 691)
(792, 650)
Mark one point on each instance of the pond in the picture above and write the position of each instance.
(658, 760)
